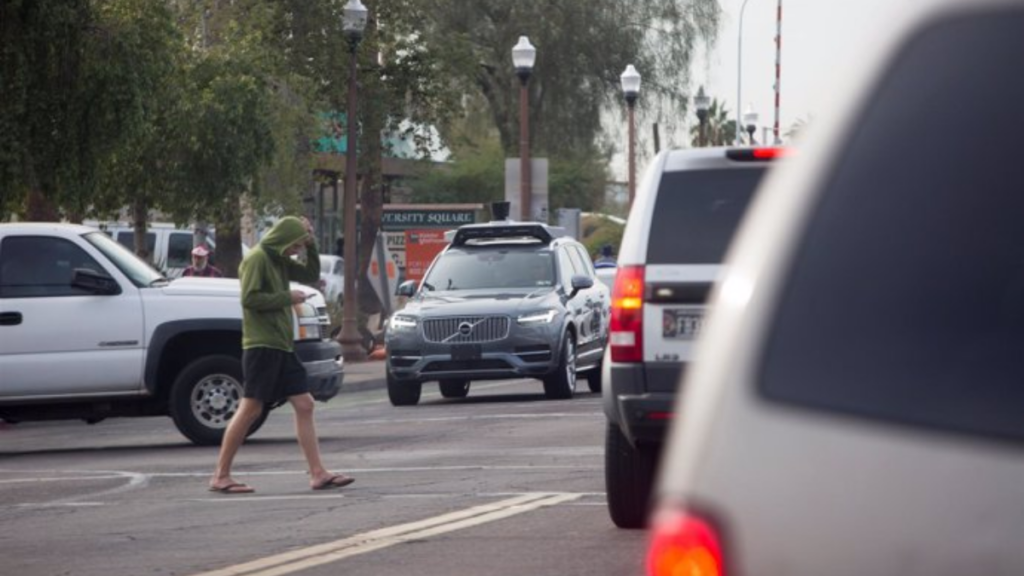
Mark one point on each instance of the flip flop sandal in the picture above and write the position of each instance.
(336, 481)
(233, 488)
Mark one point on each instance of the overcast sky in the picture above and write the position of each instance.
(817, 37)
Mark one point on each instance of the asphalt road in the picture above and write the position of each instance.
(503, 483)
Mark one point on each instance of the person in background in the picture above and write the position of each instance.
(606, 260)
(271, 370)
(201, 264)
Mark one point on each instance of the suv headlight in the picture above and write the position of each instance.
(542, 317)
(403, 322)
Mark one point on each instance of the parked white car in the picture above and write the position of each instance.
(854, 406)
(332, 276)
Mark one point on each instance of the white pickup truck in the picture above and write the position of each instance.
(90, 331)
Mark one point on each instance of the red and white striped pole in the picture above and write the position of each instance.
(778, 69)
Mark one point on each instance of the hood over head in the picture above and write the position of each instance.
(284, 233)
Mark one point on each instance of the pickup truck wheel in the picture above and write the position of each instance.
(454, 388)
(403, 393)
(561, 385)
(204, 397)
(628, 478)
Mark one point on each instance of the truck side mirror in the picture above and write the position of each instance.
(96, 282)
(408, 288)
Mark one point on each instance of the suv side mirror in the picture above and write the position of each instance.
(408, 288)
(96, 282)
(580, 282)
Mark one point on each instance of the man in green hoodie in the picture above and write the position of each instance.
(270, 368)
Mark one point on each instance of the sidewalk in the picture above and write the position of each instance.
(360, 376)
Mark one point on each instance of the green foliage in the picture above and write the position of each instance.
(476, 175)
(719, 129)
(582, 48)
(598, 231)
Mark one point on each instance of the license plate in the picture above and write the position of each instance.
(466, 352)
(681, 323)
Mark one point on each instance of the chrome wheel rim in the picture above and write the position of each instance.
(215, 399)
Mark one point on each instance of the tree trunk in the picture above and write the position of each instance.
(39, 208)
(140, 215)
(371, 199)
(229, 238)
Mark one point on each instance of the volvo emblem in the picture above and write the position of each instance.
(465, 328)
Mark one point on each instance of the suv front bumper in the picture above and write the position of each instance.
(325, 367)
(526, 353)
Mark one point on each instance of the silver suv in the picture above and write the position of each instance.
(686, 210)
(503, 300)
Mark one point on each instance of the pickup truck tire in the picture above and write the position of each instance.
(454, 388)
(628, 478)
(204, 397)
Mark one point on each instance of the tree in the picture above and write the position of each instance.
(78, 82)
(719, 128)
(582, 48)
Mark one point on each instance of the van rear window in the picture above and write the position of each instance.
(697, 212)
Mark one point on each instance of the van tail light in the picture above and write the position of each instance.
(627, 321)
(682, 543)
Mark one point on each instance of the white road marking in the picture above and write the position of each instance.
(135, 481)
(306, 558)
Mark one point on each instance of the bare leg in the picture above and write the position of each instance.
(248, 411)
(305, 431)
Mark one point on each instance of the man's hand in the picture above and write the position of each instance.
(298, 296)
(311, 238)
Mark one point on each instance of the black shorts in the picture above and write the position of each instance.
(272, 375)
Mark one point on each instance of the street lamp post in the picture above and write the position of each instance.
(739, 72)
(353, 24)
(702, 103)
(631, 90)
(523, 57)
(750, 122)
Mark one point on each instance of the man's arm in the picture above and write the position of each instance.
(252, 278)
(308, 273)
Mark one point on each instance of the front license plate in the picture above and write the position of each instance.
(466, 352)
(681, 323)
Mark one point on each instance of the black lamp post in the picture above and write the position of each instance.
(523, 57)
(702, 103)
(353, 24)
(750, 122)
(631, 91)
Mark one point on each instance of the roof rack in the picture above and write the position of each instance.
(502, 230)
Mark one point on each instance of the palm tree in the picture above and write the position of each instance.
(720, 130)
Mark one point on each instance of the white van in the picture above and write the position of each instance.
(169, 246)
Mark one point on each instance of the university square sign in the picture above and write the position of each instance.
(401, 219)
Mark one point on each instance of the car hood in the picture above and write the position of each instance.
(481, 302)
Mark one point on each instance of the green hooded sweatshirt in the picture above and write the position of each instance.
(266, 296)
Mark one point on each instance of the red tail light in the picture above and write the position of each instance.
(683, 544)
(751, 154)
(627, 321)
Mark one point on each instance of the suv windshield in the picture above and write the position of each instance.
(697, 212)
(140, 273)
(491, 269)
